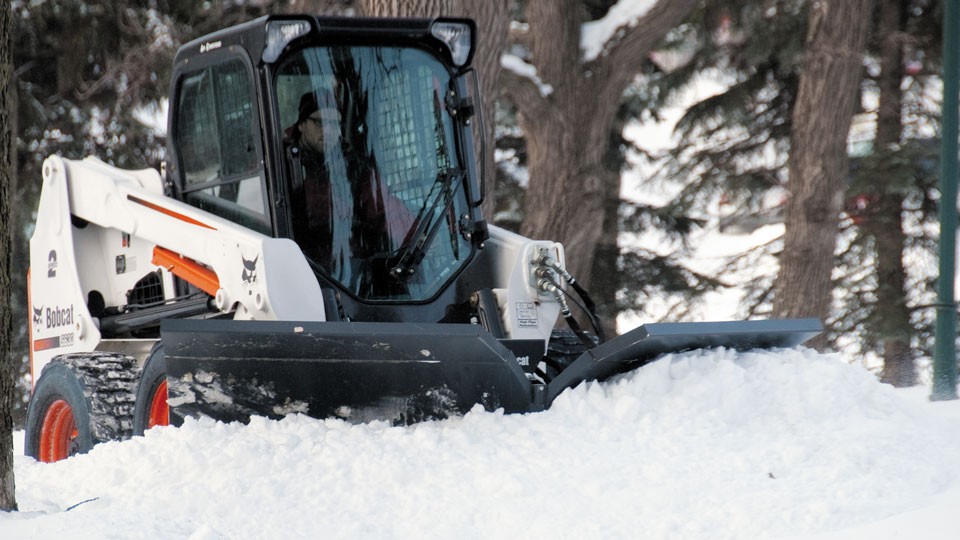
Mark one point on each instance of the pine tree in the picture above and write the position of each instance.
(757, 46)
(891, 200)
(731, 145)
(826, 101)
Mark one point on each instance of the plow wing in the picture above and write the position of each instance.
(403, 372)
(648, 342)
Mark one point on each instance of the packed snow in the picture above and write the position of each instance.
(701, 445)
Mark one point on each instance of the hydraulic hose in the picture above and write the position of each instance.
(546, 283)
(588, 306)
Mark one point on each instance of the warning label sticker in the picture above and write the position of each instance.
(527, 315)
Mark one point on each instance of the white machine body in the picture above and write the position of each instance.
(99, 230)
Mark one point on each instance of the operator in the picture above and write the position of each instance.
(316, 130)
(316, 123)
(360, 218)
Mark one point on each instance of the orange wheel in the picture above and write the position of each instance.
(58, 434)
(159, 410)
(151, 408)
(79, 400)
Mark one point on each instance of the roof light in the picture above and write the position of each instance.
(458, 37)
(280, 34)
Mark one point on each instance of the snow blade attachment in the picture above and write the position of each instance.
(403, 373)
(646, 343)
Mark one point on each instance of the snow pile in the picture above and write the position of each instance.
(702, 445)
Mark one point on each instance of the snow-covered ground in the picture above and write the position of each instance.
(704, 445)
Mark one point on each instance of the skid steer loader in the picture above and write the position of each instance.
(313, 245)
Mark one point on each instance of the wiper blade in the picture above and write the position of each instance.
(427, 223)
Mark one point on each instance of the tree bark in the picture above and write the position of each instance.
(8, 500)
(567, 131)
(885, 224)
(605, 271)
(406, 8)
(315, 7)
(818, 162)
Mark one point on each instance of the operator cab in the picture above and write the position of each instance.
(349, 136)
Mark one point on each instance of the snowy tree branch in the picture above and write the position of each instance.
(623, 54)
(525, 94)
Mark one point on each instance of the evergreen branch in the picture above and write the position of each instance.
(625, 53)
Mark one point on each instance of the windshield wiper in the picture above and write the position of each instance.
(427, 223)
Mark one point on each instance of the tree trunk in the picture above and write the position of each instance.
(565, 195)
(885, 224)
(605, 272)
(406, 8)
(892, 313)
(8, 500)
(818, 163)
(314, 7)
(568, 130)
(566, 134)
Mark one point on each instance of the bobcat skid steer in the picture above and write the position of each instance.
(314, 245)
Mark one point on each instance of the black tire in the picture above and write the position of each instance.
(97, 387)
(153, 374)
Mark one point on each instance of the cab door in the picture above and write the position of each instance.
(216, 146)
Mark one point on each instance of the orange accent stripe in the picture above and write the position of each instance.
(189, 270)
(46, 344)
(171, 213)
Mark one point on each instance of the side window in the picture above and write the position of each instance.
(197, 130)
(218, 143)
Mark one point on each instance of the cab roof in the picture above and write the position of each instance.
(252, 35)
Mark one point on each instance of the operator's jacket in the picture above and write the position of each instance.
(377, 221)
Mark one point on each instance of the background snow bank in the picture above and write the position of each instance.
(713, 444)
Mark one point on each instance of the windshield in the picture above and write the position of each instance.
(370, 144)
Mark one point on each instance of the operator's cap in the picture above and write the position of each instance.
(311, 101)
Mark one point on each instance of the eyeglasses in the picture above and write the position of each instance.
(326, 116)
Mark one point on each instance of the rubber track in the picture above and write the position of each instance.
(564, 347)
(110, 385)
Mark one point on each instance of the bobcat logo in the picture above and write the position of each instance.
(37, 317)
(249, 275)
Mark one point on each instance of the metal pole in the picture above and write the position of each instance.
(945, 348)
